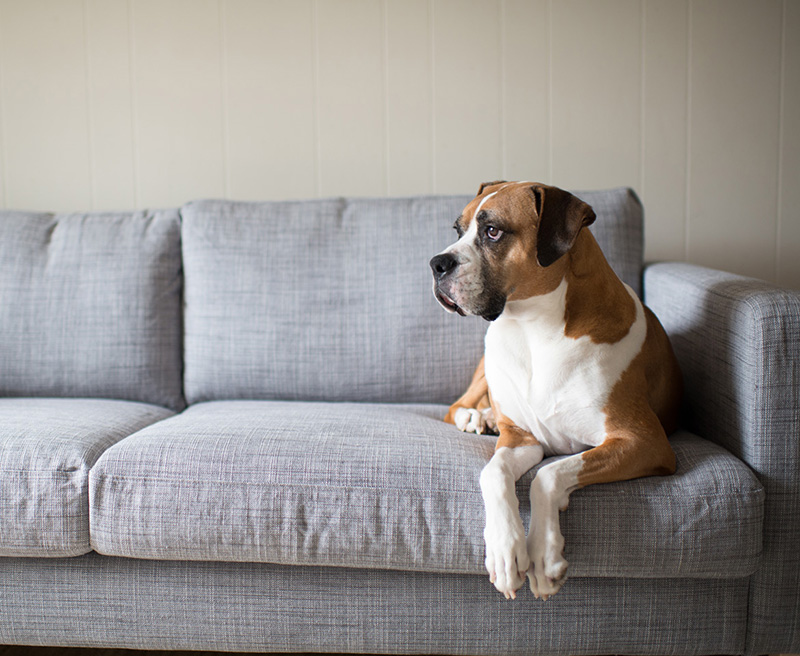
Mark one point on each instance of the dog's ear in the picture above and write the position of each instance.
(488, 184)
(561, 217)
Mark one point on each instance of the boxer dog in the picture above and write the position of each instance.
(574, 365)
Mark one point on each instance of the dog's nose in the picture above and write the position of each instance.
(443, 264)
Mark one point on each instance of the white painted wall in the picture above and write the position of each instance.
(694, 103)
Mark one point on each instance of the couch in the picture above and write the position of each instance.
(221, 429)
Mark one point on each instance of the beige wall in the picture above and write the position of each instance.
(695, 104)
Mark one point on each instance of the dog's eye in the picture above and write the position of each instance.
(493, 233)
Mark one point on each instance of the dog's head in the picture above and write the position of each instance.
(512, 239)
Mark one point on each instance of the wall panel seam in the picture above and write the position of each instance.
(223, 74)
(89, 113)
(385, 72)
(550, 92)
(642, 96)
(689, 53)
(316, 105)
(432, 30)
(3, 140)
(503, 89)
(134, 102)
(781, 118)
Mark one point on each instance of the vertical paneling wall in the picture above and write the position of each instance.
(695, 104)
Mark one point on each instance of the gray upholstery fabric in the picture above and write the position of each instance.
(393, 486)
(331, 300)
(119, 602)
(90, 306)
(619, 229)
(738, 341)
(46, 449)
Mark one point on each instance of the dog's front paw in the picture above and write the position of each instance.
(548, 568)
(547, 578)
(471, 420)
(506, 554)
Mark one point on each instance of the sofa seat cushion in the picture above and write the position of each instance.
(392, 486)
(47, 447)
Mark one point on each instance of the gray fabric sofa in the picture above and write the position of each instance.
(220, 429)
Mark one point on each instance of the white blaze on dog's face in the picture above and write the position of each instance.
(512, 237)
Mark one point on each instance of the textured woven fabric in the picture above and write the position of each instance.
(117, 602)
(46, 449)
(619, 230)
(363, 485)
(90, 306)
(738, 341)
(331, 300)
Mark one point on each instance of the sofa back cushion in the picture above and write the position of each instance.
(90, 306)
(330, 300)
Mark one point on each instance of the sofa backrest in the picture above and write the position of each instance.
(90, 306)
(331, 300)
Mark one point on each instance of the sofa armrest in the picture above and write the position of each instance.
(738, 342)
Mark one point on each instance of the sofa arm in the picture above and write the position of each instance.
(738, 343)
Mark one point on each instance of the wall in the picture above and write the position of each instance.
(695, 104)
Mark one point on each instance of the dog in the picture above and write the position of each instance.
(574, 365)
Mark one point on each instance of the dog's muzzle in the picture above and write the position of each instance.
(442, 266)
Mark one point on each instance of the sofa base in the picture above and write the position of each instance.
(100, 601)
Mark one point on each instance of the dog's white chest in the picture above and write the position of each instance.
(555, 387)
